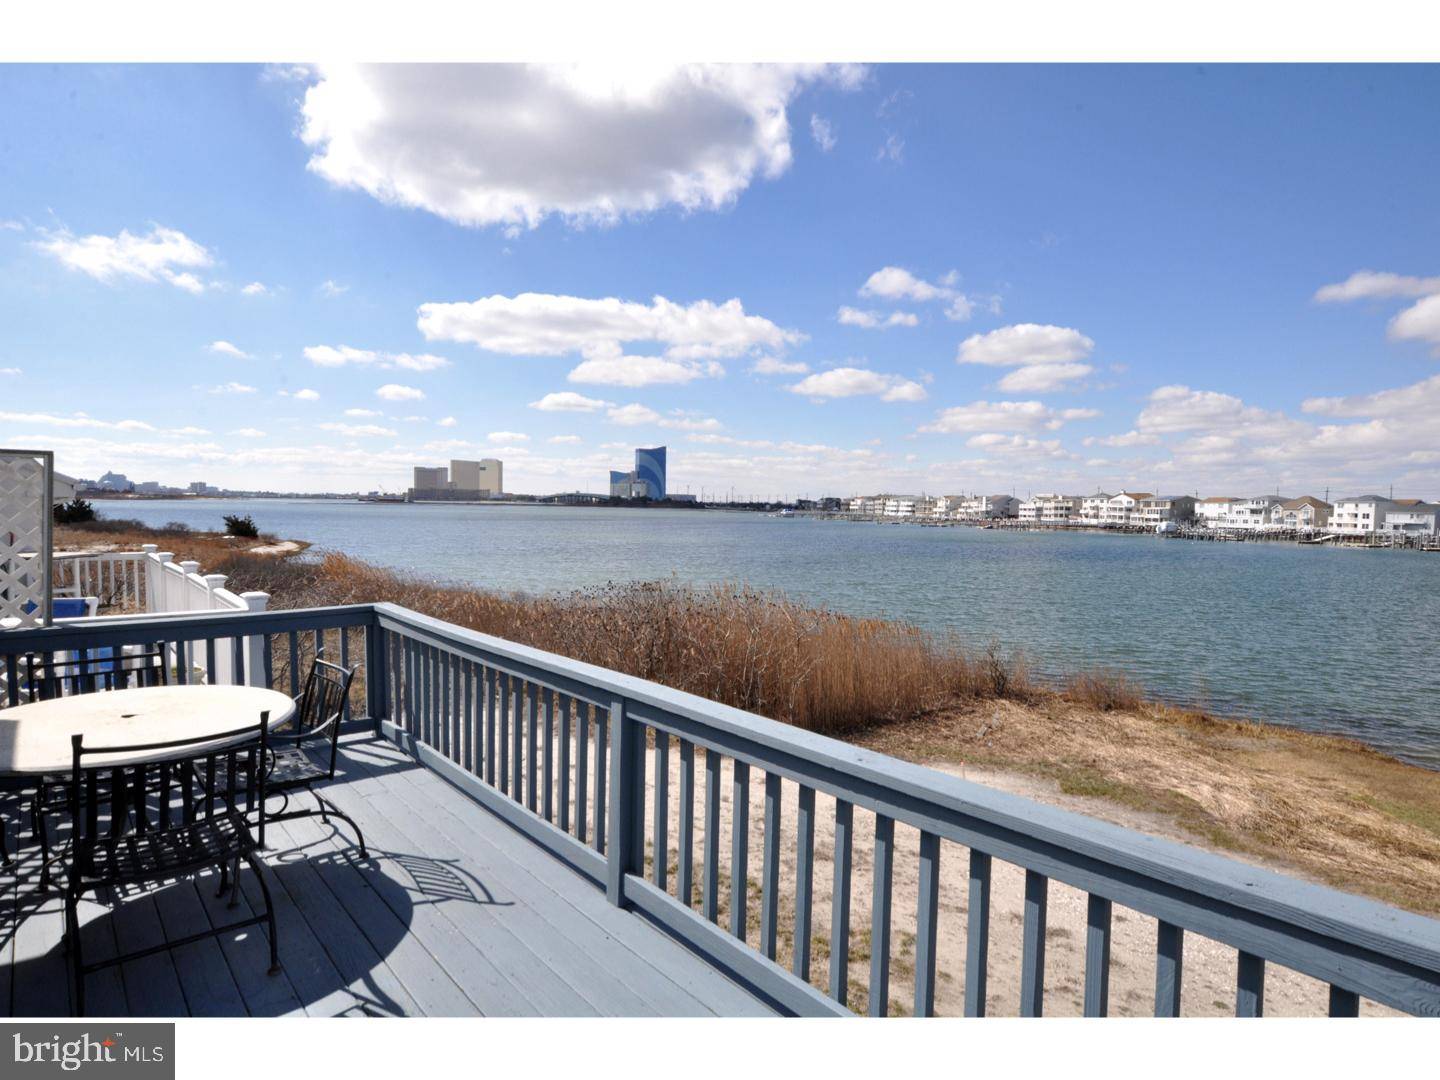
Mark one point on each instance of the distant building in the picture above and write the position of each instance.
(650, 470)
(1306, 512)
(1254, 513)
(1214, 511)
(645, 481)
(1092, 508)
(1123, 509)
(985, 507)
(114, 481)
(482, 478)
(427, 479)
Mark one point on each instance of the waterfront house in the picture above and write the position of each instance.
(1051, 509)
(1159, 509)
(1360, 515)
(986, 507)
(1214, 510)
(1253, 514)
(1411, 517)
(901, 506)
(1306, 512)
(1092, 508)
(1121, 509)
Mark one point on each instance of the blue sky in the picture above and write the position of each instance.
(925, 279)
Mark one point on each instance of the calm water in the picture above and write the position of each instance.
(1333, 640)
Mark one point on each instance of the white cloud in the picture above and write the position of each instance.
(541, 324)
(1025, 343)
(446, 421)
(1178, 408)
(362, 412)
(224, 348)
(896, 283)
(892, 149)
(1377, 285)
(78, 420)
(232, 388)
(249, 433)
(332, 288)
(852, 382)
(513, 144)
(1418, 401)
(633, 415)
(159, 255)
(341, 355)
(358, 431)
(10, 371)
(507, 436)
(1019, 446)
(1129, 438)
(565, 439)
(301, 395)
(569, 401)
(1040, 378)
(773, 365)
(616, 369)
(873, 320)
(823, 132)
(679, 420)
(1421, 322)
(396, 392)
(991, 416)
(255, 288)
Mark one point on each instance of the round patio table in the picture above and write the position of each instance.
(35, 739)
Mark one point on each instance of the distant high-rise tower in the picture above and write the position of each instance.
(650, 469)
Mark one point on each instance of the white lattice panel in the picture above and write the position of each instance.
(24, 551)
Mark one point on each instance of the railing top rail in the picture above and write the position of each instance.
(179, 626)
(927, 798)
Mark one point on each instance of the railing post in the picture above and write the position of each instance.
(625, 852)
(377, 691)
(255, 646)
(146, 583)
(161, 587)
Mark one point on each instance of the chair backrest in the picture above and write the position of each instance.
(52, 675)
(176, 782)
(322, 704)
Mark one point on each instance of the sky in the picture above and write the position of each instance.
(803, 280)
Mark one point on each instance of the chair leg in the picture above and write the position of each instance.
(254, 862)
(327, 805)
(224, 879)
(235, 884)
(37, 813)
(5, 859)
(72, 939)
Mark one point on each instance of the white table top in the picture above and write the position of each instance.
(36, 738)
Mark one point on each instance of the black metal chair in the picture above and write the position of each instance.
(304, 750)
(142, 824)
(45, 676)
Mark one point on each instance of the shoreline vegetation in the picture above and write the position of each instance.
(1324, 807)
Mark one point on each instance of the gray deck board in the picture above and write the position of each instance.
(455, 914)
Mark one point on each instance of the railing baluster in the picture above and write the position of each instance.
(492, 723)
(182, 669)
(445, 705)
(1344, 1002)
(532, 729)
(237, 662)
(660, 829)
(840, 903)
(582, 770)
(209, 660)
(804, 880)
(710, 906)
(1032, 960)
(739, 847)
(880, 916)
(472, 722)
(565, 763)
(1169, 968)
(345, 663)
(504, 731)
(770, 868)
(1097, 956)
(1249, 985)
(927, 924)
(294, 639)
(517, 741)
(686, 839)
(602, 750)
(547, 757)
(627, 790)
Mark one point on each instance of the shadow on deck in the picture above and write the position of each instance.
(454, 914)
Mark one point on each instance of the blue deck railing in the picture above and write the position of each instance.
(579, 759)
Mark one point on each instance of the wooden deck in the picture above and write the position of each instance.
(455, 914)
